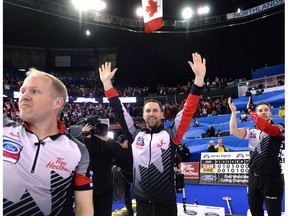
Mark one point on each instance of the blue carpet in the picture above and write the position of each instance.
(212, 195)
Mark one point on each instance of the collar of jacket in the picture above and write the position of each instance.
(154, 130)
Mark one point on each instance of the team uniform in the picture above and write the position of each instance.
(265, 181)
(39, 176)
(154, 156)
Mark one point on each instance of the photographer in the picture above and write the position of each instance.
(123, 174)
(102, 150)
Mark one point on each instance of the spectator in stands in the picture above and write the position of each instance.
(210, 131)
(218, 133)
(248, 93)
(195, 124)
(204, 111)
(281, 112)
(211, 146)
(265, 183)
(154, 146)
(243, 116)
(259, 91)
(280, 83)
(186, 155)
(220, 147)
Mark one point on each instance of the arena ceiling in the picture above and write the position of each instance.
(24, 24)
(232, 50)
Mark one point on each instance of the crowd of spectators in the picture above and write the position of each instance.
(91, 87)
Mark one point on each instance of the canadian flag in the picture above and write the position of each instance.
(152, 14)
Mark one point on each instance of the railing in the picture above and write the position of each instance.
(270, 83)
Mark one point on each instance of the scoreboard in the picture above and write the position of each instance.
(229, 168)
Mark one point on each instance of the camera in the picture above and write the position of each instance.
(100, 127)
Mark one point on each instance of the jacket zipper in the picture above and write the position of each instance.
(149, 163)
(36, 156)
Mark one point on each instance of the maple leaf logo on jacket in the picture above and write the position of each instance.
(151, 9)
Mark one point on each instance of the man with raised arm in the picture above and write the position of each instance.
(265, 183)
(154, 146)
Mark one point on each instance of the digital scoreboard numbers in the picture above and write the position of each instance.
(229, 168)
(224, 168)
(232, 166)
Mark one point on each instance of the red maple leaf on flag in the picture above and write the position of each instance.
(151, 9)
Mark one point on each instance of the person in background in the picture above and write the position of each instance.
(211, 131)
(265, 183)
(154, 146)
(125, 167)
(218, 133)
(185, 152)
(281, 112)
(102, 150)
(195, 124)
(243, 116)
(248, 93)
(220, 147)
(211, 146)
(48, 170)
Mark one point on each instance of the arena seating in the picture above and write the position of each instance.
(197, 144)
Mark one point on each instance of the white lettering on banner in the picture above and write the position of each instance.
(190, 170)
(255, 10)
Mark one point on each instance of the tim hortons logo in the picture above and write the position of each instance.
(189, 170)
(59, 164)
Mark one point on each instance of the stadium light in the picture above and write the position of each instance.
(187, 13)
(85, 5)
(139, 11)
(88, 33)
(203, 10)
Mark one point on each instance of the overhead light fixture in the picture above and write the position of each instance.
(139, 11)
(187, 13)
(203, 10)
(85, 5)
(88, 33)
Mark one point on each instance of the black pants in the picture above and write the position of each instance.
(102, 203)
(268, 189)
(127, 198)
(156, 209)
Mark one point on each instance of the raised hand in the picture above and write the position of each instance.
(231, 105)
(199, 68)
(106, 75)
(105, 72)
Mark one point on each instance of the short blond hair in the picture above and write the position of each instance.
(59, 87)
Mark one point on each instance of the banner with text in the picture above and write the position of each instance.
(190, 170)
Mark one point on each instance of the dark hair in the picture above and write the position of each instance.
(153, 101)
(263, 103)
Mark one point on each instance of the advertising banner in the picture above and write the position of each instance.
(200, 210)
(190, 170)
